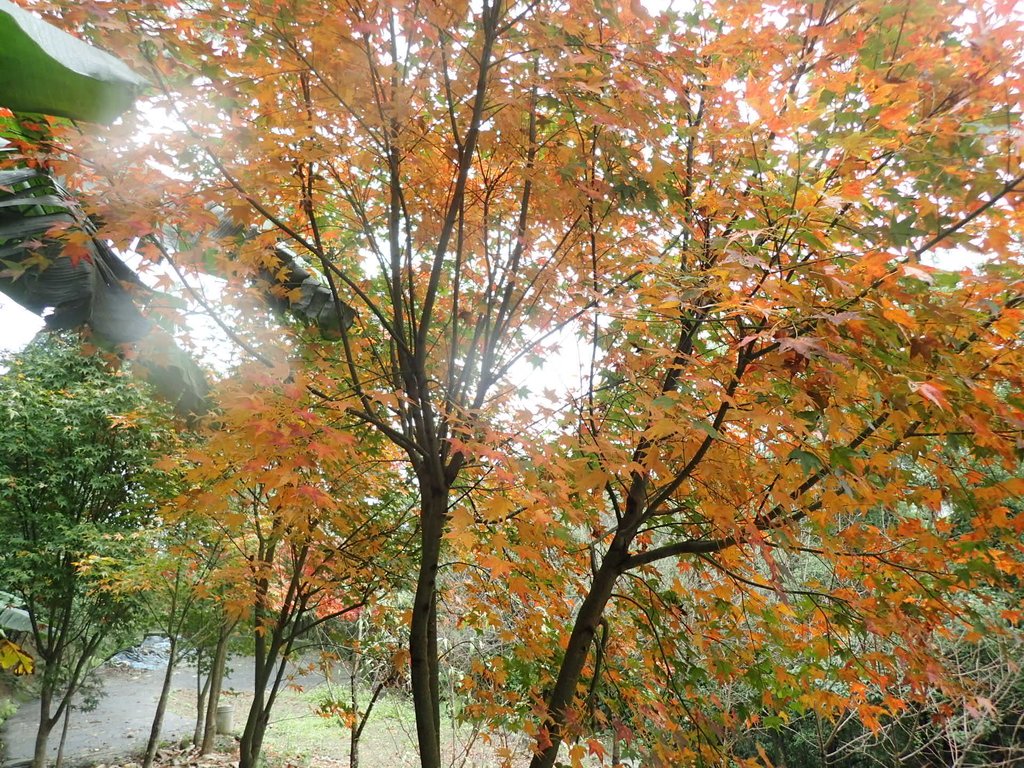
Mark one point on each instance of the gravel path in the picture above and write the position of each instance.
(119, 725)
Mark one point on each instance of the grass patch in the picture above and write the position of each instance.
(298, 737)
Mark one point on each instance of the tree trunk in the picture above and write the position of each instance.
(354, 732)
(251, 743)
(220, 658)
(202, 689)
(264, 695)
(270, 665)
(43, 731)
(161, 706)
(426, 696)
(584, 628)
(434, 659)
(248, 747)
(353, 688)
(252, 735)
(59, 762)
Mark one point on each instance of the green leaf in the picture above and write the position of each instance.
(842, 456)
(48, 71)
(28, 199)
(22, 228)
(900, 231)
(709, 430)
(17, 175)
(808, 461)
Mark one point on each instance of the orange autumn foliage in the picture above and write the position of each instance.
(786, 461)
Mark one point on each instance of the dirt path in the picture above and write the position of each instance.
(119, 725)
(118, 728)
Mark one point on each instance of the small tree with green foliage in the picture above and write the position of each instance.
(77, 444)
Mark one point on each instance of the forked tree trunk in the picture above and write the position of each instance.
(161, 706)
(271, 662)
(585, 627)
(251, 743)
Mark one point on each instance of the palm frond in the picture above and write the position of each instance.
(96, 288)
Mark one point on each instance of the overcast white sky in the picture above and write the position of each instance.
(17, 325)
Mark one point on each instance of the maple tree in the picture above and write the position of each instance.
(738, 209)
(423, 370)
(789, 366)
(308, 540)
(177, 600)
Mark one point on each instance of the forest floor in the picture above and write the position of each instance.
(299, 737)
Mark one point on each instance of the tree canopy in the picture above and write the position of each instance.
(782, 467)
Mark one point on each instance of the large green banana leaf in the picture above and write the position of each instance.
(100, 290)
(308, 298)
(38, 276)
(44, 69)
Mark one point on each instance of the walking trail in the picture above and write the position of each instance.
(119, 724)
